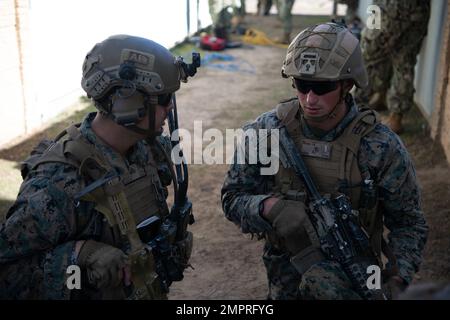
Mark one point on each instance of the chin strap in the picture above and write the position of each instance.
(129, 119)
(150, 133)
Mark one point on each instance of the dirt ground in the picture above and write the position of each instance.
(228, 264)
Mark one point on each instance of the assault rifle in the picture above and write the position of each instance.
(341, 237)
(167, 246)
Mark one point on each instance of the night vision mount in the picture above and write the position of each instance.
(188, 69)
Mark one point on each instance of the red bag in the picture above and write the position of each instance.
(212, 43)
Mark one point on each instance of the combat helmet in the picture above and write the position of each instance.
(122, 65)
(325, 52)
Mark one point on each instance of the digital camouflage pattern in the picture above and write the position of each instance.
(383, 155)
(37, 240)
(390, 53)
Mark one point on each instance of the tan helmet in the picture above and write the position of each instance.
(128, 76)
(325, 52)
(123, 60)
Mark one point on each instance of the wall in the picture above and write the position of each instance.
(440, 120)
(43, 44)
(14, 67)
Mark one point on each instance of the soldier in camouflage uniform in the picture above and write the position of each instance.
(60, 218)
(284, 8)
(390, 54)
(352, 7)
(225, 15)
(264, 6)
(324, 62)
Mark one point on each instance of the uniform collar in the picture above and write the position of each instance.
(331, 135)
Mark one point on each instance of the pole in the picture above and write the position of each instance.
(334, 9)
(198, 15)
(188, 17)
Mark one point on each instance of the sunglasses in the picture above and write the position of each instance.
(318, 87)
(165, 99)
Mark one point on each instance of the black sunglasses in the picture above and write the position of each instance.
(318, 87)
(165, 99)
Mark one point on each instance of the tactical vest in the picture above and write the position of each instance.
(138, 196)
(142, 185)
(334, 169)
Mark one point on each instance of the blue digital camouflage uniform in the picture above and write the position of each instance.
(37, 239)
(382, 153)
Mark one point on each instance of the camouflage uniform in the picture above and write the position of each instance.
(264, 7)
(390, 53)
(284, 8)
(219, 16)
(352, 7)
(382, 154)
(37, 240)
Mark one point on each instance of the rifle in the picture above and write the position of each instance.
(167, 245)
(181, 212)
(340, 235)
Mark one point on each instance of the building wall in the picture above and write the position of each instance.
(43, 44)
(440, 121)
(14, 62)
(428, 65)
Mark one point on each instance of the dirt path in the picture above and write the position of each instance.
(227, 264)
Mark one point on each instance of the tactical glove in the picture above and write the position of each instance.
(103, 264)
(288, 218)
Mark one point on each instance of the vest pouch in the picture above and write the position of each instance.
(295, 195)
(306, 258)
(35, 157)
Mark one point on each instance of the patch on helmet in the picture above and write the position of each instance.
(139, 58)
(308, 62)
